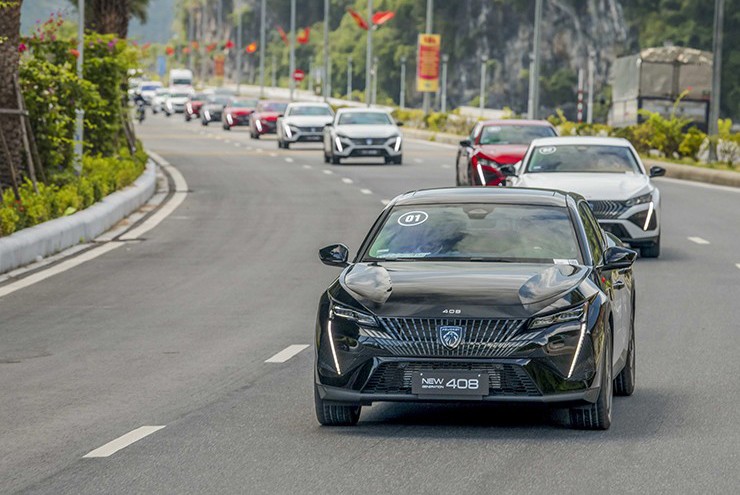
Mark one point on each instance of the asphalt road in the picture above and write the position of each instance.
(175, 330)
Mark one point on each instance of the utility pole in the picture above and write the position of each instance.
(402, 96)
(239, 47)
(274, 73)
(262, 49)
(369, 51)
(328, 82)
(591, 74)
(443, 105)
(482, 98)
(349, 78)
(191, 35)
(220, 16)
(79, 112)
(292, 49)
(375, 80)
(326, 50)
(426, 95)
(719, 16)
(534, 69)
(579, 104)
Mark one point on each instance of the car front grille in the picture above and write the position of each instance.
(310, 129)
(608, 209)
(369, 141)
(504, 379)
(479, 337)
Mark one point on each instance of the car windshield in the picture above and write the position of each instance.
(476, 232)
(179, 95)
(181, 82)
(514, 134)
(313, 110)
(274, 107)
(150, 87)
(582, 158)
(244, 104)
(200, 97)
(220, 100)
(364, 118)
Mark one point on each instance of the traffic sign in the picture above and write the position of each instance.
(299, 75)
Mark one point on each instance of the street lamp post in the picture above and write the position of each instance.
(262, 49)
(427, 96)
(349, 78)
(719, 12)
(369, 52)
(443, 106)
(274, 72)
(292, 49)
(239, 47)
(482, 99)
(591, 74)
(533, 102)
(375, 80)
(80, 113)
(402, 96)
(326, 50)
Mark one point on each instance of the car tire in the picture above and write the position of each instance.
(204, 123)
(286, 145)
(598, 416)
(335, 160)
(624, 383)
(398, 160)
(652, 251)
(227, 127)
(326, 158)
(335, 415)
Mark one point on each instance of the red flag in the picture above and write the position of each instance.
(229, 44)
(302, 37)
(382, 17)
(252, 47)
(283, 35)
(170, 51)
(358, 19)
(211, 47)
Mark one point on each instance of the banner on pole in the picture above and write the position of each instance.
(427, 69)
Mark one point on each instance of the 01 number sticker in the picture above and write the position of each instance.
(413, 218)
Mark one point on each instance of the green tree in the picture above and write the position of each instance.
(113, 16)
(10, 29)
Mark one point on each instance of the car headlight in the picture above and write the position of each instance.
(638, 200)
(288, 130)
(485, 162)
(335, 310)
(573, 314)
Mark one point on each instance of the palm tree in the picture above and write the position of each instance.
(10, 33)
(113, 16)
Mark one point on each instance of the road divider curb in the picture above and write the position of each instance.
(31, 244)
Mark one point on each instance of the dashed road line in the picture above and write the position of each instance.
(273, 155)
(260, 150)
(327, 171)
(698, 240)
(737, 265)
(366, 191)
(385, 201)
(238, 145)
(287, 353)
(418, 160)
(122, 442)
(307, 167)
(446, 166)
(347, 180)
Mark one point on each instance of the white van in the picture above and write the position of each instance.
(181, 77)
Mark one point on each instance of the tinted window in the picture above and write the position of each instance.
(476, 232)
(582, 158)
(311, 111)
(271, 106)
(364, 118)
(244, 104)
(514, 134)
(182, 82)
(593, 231)
(150, 87)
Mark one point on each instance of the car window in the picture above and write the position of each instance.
(514, 134)
(476, 232)
(593, 231)
(312, 110)
(364, 118)
(244, 103)
(582, 158)
(273, 107)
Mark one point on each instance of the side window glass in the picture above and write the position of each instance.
(474, 133)
(593, 235)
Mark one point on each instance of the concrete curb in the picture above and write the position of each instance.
(673, 170)
(51, 237)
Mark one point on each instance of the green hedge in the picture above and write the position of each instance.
(69, 193)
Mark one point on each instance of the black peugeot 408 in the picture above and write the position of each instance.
(472, 294)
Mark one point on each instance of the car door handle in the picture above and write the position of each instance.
(619, 284)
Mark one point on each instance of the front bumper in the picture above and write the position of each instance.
(303, 134)
(265, 126)
(638, 225)
(367, 148)
(237, 120)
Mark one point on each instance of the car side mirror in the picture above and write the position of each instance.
(281, 115)
(399, 123)
(657, 171)
(618, 257)
(465, 143)
(329, 124)
(334, 255)
(507, 170)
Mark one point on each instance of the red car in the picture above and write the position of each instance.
(237, 113)
(264, 119)
(194, 104)
(493, 144)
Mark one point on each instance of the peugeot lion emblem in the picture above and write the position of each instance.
(450, 336)
(369, 141)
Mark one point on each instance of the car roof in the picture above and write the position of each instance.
(308, 104)
(581, 140)
(520, 122)
(362, 110)
(516, 195)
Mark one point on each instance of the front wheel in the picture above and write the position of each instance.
(398, 160)
(334, 415)
(652, 251)
(598, 416)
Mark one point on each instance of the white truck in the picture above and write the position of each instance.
(180, 78)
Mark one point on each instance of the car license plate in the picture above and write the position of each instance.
(369, 152)
(313, 138)
(449, 383)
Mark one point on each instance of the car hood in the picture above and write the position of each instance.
(239, 111)
(504, 154)
(305, 120)
(367, 131)
(214, 107)
(599, 186)
(478, 290)
(178, 101)
(267, 115)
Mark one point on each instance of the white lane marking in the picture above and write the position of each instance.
(385, 201)
(273, 155)
(307, 167)
(737, 265)
(347, 180)
(238, 145)
(287, 353)
(698, 240)
(366, 191)
(418, 160)
(289, 160)
(684, 182)
(249, 148)
(328, 172)
(260, 150)
(123, 441)
(446, 166)
(227, 141)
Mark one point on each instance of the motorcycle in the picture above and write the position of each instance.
(140, 111)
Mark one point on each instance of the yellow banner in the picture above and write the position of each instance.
(427, 69)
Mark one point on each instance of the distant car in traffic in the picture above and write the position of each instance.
(147, 90)
(237, 113)
(213, 108)
(264, 118)
(160, 96)
(485, 295)
(176, 101)
(608, 172)
(363, 133)
(303, 123)
(494, 143)
(194, 104)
